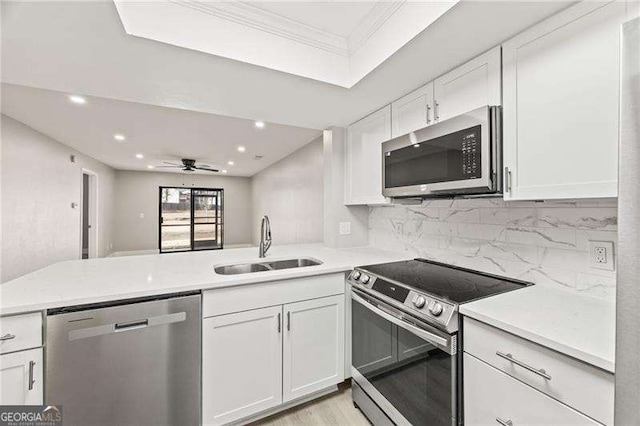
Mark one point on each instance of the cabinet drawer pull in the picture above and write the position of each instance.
(279, 323)
(31, 379)
(539, 371)
(7, 336)
(504, 422)
(288, 321)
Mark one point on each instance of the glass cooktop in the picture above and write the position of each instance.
(458, 285)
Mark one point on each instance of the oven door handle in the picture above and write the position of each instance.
(424, 334)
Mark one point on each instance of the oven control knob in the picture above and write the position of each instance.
(365, 279)
(356, 275)
(436, 309)
(419, 302)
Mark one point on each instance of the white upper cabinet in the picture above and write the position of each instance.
(561, 101)
(364, 158)
(470, 86)
(413, 111)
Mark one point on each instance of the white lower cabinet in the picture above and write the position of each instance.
(492, 397)
(313, 346)
(21, 378)
(242, 364)
(258, 359)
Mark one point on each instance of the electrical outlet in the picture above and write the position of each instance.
(345, 228)
(602, 256)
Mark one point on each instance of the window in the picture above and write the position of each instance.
(191, 219)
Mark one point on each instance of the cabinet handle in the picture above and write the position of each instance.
(288, 321)
(436, 117)
(539, 371)
(504, 422)
(31, 379)
(7, 336)
(507, 179)
(428, 118)
(279, 323)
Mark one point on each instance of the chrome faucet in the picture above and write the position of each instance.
(265, 236)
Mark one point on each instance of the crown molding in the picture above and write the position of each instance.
(372, 22)
(269, 22)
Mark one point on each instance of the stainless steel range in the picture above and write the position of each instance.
(406, 366)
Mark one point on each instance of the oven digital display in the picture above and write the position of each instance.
(452, 157)
(391, 290)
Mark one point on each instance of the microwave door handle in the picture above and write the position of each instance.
(429, 337)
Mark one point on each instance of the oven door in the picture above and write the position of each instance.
(405, 366)
(459, 155)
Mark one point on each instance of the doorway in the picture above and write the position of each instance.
(190, 219)
(89, 215)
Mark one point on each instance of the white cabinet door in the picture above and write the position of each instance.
(561, 96)
(313, 346)
(491, 397)
(364, 158)
(21, 378)
(470, 86)
(241, 364)
(413, 111)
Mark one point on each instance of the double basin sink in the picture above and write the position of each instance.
(247, 268)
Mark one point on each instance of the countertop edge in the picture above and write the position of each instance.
(571, 351)
(243, 279)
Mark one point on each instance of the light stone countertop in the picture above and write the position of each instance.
(580, 326)
(78, 282)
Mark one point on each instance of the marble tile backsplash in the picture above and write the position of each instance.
(543, 242)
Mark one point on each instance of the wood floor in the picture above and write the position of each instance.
(334, 409)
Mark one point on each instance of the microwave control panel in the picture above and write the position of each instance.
(471, 154)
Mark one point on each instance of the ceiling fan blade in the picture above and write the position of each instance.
(168, 167)
(207, 169)
(172, 164)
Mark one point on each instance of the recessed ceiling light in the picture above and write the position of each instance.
(139, 156)
(77, 99)
(231, 163)
(259, 124)
(241, 149)
(149, 166)
(224, 171)
(119, 137)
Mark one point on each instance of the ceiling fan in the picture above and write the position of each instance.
(188, 165)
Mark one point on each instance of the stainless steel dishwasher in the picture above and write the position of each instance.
(135, 362)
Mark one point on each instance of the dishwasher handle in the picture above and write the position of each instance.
(120, 327)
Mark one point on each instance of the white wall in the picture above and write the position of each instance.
(137, 193)
(290, 192)
(543, 242)
(39, 183)
(334, 146)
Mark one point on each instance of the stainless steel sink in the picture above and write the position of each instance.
(244, 268)
(293, 263)
(247, 268)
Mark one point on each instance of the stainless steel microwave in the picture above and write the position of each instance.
(458, 156)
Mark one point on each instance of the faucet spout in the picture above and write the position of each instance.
(265, 236)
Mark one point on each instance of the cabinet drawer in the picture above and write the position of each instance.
(20, 332)
(493, 398)
(579, 385)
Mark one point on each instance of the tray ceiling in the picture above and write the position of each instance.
(333, 42)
